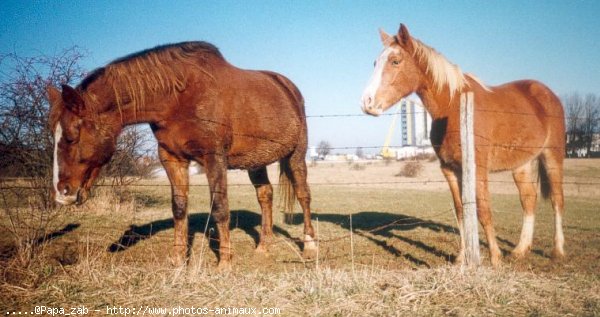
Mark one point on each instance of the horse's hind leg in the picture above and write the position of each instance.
(297, 166)
(177, 171)
(216, 173)
(523, 178)
(484, 214)
(553, 167)
(264, 194)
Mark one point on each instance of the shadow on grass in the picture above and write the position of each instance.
(9, 251)
(374, 224)
(245, 220)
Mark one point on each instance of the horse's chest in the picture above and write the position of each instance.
(445, 139)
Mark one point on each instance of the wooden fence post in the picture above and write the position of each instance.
(470, 227)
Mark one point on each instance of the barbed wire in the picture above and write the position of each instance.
(128, 236)
(344, 183)
(391, 113)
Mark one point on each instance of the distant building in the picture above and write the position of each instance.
(415, 124)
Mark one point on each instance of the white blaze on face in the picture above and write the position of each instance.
(368, 97)
(59, 197)
(57, 137)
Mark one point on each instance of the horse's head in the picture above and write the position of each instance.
(82, 145)
(396, 73)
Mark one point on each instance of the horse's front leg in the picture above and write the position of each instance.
(216, 173)
(453, 178)
(177, 171)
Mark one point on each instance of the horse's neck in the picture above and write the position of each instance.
(437, 103)
(127, 114)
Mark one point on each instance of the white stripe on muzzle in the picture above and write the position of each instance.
(368, 97)
(59, 197)
(57, 137)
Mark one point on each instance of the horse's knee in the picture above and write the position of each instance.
(179, 207)
(265, 194)
(220, 215)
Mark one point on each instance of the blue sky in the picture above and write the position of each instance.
(327, 47)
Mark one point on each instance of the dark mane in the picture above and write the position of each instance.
(185, 47)
(180, 49)
(90, 78)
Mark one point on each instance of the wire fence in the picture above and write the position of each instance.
(130, 236)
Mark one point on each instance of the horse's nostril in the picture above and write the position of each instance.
(66, 190)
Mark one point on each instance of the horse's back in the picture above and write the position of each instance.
(519, 119)
(530, 95)
(266, 117)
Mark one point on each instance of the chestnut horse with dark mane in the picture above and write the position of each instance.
(200, 108)
(517, 124)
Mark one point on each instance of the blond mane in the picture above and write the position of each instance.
(440, 69)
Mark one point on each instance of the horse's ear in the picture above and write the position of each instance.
(385, 38)
(72, 100)
(403, 35)
(54, 96)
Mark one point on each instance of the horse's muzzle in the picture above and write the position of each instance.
(78, 198)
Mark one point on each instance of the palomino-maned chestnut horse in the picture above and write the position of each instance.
(200, 108)
(516, 124)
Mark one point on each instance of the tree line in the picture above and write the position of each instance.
(582, 115)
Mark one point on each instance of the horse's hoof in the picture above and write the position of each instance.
(309, 253)
(460, 259)
(224, 266)
(557, 256)
(178, 260)
(262, 250)
(496, 262)
(519, 254)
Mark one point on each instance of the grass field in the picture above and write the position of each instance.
(397, 259)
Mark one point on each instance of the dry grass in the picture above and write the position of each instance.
(403, 241)
(98, 281)
(411, 169)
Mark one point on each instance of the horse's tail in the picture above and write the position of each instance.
(286, 190)
(543, 179)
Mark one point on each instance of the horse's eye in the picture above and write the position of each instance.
(374, 63)
(69, 140)
(395, 62)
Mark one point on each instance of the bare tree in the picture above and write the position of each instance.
(573, 109)
(26, 143)
(26, 146)
(323, 149)
(25, 140)
(360, 153)
(582, 122)
(591, 121)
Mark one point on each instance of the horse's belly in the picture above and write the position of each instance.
(258, 155)
(509, 158)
